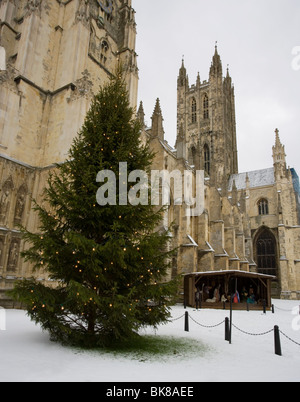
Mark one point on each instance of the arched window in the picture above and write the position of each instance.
(194, 110)
(205, 107)
(104, 46)
(104, 49)
(266, 253)
(263, 207)
(206, 159)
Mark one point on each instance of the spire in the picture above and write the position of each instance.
(277, 139)
(157, 109)
(141, 114)
(228, 80)
(216, 66)
(278, 150)
(182, 78)
(234, 193)
(227, 73)
(182, 71)
(198, 81)
(157, 122)
(279, 157)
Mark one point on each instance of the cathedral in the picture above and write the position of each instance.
(54, 56)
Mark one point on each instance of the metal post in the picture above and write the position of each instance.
(264, 306)
(186, 322)
(277, 341)
(226, 329)
(230, 331)
(273, 310)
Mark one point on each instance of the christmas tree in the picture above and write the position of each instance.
(108, 262)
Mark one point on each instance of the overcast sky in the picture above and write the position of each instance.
(256, 38)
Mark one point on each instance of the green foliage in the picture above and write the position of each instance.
(110, 262)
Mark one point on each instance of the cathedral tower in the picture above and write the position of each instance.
(206, 122)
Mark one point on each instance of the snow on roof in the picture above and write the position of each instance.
(230, 272)
(257, 178)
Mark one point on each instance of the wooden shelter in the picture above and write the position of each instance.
(251, 288)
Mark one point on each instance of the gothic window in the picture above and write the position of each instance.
(104, 49)
(205, 107)
(104, 46)
(194, 110)
(263, 207)
(266, 253)
(206, 159)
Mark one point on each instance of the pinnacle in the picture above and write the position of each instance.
(157, 109)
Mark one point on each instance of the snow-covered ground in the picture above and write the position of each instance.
(27, 355)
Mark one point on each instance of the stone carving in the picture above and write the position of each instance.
(13, 255)
(32, 6)
(5, 200)
(20, 204)
(83, 13)
(83, 87)
(7, 78)
(4, 205)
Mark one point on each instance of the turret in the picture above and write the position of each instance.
(182, 91)
(216, 65)
(183, 80)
